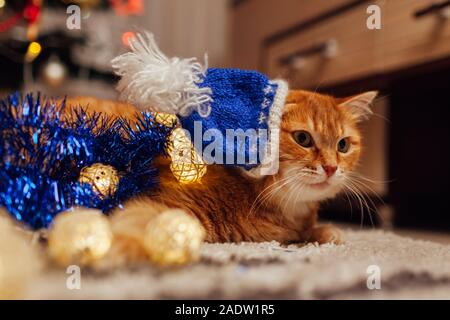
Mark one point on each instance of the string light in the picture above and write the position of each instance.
(187, 165)
(128, 7)
(34, 49)
(126, 37)
(54, 71)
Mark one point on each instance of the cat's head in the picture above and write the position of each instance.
(320, 143)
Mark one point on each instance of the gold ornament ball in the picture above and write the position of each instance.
(173, 238)
(103, 178)
(83, 236)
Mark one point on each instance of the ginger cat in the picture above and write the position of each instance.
(320, 145)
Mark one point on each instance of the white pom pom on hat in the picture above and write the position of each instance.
(152, 81)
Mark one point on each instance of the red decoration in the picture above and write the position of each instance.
(10, 22)
(32, 12)
(128, 7)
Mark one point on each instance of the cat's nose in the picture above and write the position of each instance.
(329, 170)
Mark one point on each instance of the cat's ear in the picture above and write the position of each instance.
(359, 105)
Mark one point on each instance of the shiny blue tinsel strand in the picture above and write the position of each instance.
(41, 157)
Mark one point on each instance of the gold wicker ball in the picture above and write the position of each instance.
(83, 237)
(187, 165)
(166, 119)
(173, 238)
(103, 178)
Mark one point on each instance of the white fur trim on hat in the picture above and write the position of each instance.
(270, 163)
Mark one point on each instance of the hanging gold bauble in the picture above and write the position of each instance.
(82, 237)
(103, 178)
(173, 238)
(187, 165)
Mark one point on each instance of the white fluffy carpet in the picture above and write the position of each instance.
(409, 269)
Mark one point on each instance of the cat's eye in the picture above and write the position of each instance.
(303, 138)
(343, 145)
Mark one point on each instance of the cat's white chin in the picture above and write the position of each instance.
(319, 191)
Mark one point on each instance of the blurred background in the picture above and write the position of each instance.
(340, 47)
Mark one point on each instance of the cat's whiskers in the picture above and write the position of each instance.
(363, 187)
(358, 188)
(311, 171)
(349, 202)
(296, 178)
(357, 197)
(267, 199)
(269, 192)
(299, 186)
(287, 181)
(357, 175)
(260, 199)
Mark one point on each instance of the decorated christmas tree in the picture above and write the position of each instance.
(63, 47)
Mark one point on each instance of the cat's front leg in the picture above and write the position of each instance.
(311, 231)
(326, 233)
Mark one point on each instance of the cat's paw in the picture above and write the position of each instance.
(326, 234)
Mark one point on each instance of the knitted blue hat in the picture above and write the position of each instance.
(232, 116)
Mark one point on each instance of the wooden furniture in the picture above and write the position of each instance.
(324, 43)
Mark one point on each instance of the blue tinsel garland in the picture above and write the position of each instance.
(42, 154)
